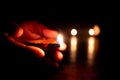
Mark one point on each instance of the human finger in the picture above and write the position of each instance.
(58, 56)
(19, 32)
(38, 51)
(50, 33)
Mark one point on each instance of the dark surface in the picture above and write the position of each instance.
(104, 62)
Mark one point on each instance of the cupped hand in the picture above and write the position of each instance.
(33, 30)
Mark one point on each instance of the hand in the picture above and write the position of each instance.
(33, 30)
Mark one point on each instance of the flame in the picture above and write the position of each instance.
(60, 41)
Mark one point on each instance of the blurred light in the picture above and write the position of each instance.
(60, 41)
(96, 30)
(62, 47)
(91, 32)
(73, 49)
(73, 32)
(93, 46)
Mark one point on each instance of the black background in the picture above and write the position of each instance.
(104, 14)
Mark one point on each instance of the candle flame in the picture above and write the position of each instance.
(60, 39)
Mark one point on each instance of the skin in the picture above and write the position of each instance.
(32, 30)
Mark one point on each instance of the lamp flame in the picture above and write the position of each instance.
(60, 41)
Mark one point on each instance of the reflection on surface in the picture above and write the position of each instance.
(92, 49)
(80, 58)
(73, 49)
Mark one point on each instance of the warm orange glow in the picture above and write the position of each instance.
(45, 41)
(18, 33)
(58, 56)
(73, 32)
(73, 49)
(91, 48)
(63, 47)
(96, 30)
(60, 41)
(39, 52)
(91, 32)
(93, 45)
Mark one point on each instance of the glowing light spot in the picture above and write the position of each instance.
(60, 39)
(73, 32)
(91, 32)
(96, 30)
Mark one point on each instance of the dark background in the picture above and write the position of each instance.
(53, 15)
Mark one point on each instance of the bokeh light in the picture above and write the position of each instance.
(96, 30)
(73, 32)
(91, 32)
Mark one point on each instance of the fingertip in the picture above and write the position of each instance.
(58, 56)
(39, 52)
(18, 32)
(50, 33)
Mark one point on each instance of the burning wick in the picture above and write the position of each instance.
(61, 42)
